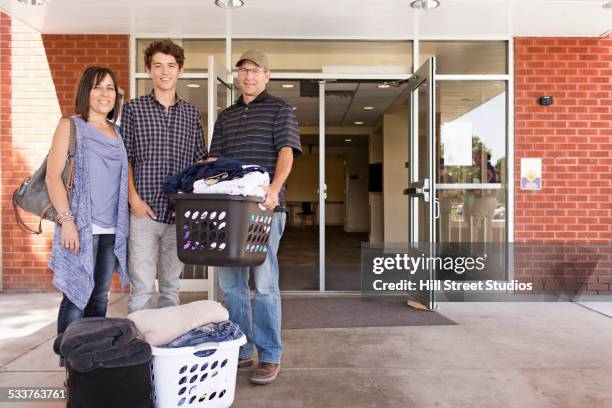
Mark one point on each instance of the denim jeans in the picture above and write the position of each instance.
(105, 263)
(261, 321)
(152, 253)
(209, 333)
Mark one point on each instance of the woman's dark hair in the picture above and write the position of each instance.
(92, 77)
(167, 47)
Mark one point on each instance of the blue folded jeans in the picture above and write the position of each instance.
(209, 333)
(262, 322)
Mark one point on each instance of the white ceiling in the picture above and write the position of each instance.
(366, 19)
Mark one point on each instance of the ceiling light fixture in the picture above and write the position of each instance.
(384, 85)
(348, 140)
(368, 108)
(287, 86)
(193, 85)
(425, 4)
(33, 2)
(358, 122)
(229, 4)
(294, 108)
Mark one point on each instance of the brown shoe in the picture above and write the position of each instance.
(246, 362)
(265, 373)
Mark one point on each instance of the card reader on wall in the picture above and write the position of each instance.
(546, 100)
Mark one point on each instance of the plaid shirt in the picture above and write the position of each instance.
(159, 144)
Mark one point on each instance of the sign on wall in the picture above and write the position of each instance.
(531, 174)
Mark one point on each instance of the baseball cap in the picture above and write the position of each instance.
(258, 57)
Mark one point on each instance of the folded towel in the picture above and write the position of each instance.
(248, 185)
(161, 326)
(100, 342)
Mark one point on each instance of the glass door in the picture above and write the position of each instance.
(220, 96)
(423, 205)
(299, 249)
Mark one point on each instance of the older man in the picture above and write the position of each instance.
(258, 129)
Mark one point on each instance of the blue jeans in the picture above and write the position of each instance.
(262, 322)
(105, 263)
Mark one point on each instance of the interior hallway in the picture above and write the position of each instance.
(298, 258)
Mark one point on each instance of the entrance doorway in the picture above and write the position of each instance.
(334, 193)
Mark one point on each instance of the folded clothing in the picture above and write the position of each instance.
(102, 342)
(209, 333)
(161, 326)
(221, 169)
(248, 185)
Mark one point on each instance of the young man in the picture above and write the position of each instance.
(163, 135)
(258, 129)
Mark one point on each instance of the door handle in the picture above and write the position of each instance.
(418, 189)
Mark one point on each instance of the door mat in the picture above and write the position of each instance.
(343, 312)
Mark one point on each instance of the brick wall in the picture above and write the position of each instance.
(30, 111)
(68, 55)
(41, 73)
(574, 139)
(5, 107)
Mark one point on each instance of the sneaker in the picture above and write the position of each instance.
(246, 362)
(265, 373)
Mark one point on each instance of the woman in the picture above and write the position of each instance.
(91, 234)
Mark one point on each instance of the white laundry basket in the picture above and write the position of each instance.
(182, 379)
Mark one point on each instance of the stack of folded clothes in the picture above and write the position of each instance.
(222, 176)
(101, 342)
(161, 326)
(107, 363)
(209, 333)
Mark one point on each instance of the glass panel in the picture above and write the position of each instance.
(357, 117)
(388, 57)
(298, 253)
(194, 91)
(466, 57)
(424, 159)
(471, 131)
(475, 215)
(196, 53)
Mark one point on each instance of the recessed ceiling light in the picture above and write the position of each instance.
(193, 85)
(229, 4)
(368, 108)
(33, 2)
(425, 4)
(358, 122)
(288, 86)
(348, 140)
(383, 85)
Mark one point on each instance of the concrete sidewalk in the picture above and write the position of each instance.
(498, 355)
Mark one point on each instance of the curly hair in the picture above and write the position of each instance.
(167, 47)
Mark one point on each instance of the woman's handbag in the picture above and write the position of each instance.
(32, 195)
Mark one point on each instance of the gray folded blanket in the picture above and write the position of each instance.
(96, 342)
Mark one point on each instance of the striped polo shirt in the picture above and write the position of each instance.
(254, 133)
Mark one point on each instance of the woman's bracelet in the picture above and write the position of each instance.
(65, 216)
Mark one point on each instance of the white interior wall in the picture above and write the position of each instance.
(395, 175)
